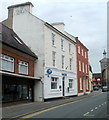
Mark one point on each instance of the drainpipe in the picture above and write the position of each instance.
(42, 89)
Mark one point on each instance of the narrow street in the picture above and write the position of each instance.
(92, 107)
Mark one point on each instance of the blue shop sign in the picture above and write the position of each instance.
(64, 74)
(49, 71)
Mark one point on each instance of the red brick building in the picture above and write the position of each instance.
(97, 81)
(17, 67)
(82, 68)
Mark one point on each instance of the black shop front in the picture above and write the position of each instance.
(17, 88)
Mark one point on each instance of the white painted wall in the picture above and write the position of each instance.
(53, 93)
(30, 29)
(38, 37)
(57, 71)
(49, 48)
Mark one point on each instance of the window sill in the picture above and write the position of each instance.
(71, 89)
(54, 46)
(62, 50)
(54, 90)
(71, 53)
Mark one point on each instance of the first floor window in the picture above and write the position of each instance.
(62, 61)
(70, 83)
(70, 63)
(54, 58)
(83, 67)
(86, 68)
(23, 67)
(7, 63)
(54, 83)
(81, 83)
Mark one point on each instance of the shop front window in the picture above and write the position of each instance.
(16, 92)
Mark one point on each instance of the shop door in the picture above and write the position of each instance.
(63, 84)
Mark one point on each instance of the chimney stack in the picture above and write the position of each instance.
(59, 26)
(19, 9)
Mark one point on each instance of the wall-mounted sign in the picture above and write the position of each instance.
(49, 71)
(64, 74)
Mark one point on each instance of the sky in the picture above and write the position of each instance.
(85, 19)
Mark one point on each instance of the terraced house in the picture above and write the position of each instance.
(56, 50)
(82, 68)
(17, 67)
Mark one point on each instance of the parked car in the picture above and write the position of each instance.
(96, 88)
(105, 88)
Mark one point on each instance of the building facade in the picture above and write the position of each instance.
(17, 68)
(56, 65)
(105, 69)
(97, 81)
(82, 68)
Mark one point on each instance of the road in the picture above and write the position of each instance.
(92, 107)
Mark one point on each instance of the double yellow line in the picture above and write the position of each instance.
(46, 110)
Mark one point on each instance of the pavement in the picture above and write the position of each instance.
(20, 110)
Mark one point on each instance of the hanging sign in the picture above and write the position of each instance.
(49, 71)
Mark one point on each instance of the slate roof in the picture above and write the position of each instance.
(10, 38)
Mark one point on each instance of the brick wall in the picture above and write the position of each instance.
(85, 61)
(18, 57)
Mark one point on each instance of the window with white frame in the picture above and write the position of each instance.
(82, 52)
(63, 61)
(79, 49)
(83, 67)
(79, 65)
(62, 44)
(70, 63)
(86, 68)
(85, 55)
(81, 83)
(54, 82)
(70, 48)
(23, 67)
(53, 39)
(7, 63)
(70, 83)
(54, 58)
(87, 84)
